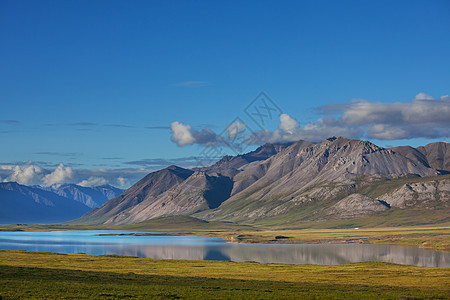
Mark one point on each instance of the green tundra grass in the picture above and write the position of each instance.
(78, 276)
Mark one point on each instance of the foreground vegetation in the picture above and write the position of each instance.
(51, 275)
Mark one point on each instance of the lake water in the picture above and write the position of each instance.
(208, 248)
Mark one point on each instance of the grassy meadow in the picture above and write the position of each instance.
(40, 275)
(51, 275)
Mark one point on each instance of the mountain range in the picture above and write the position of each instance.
(54, 204)
(337, 178)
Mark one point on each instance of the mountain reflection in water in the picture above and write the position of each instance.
(204, 248)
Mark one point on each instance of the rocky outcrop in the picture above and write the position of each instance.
(281, 182)
(431, 195)
(356, 205)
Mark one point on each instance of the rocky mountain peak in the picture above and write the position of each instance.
(264, 181)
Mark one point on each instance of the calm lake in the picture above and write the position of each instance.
(207, 248)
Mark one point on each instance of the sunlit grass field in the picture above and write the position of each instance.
(50, 275)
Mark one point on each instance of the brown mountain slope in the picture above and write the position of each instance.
(437, 154)
(198, 192)
(434, 155)
(230, 166)
(148, 188)
(254, 172)
(412, 153)
(328, 169)
(336, 178)
(334, 159)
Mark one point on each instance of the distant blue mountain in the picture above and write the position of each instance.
(90, 196)
(55, 204)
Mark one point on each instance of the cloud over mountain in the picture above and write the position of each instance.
(30, 173)
(422, 117)
(60, 175)
(23, 174)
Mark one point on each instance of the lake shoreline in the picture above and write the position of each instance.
(245, 239)
(440, 242)
(434, 237)
(213, 246)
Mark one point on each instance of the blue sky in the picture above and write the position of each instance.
(96, 85)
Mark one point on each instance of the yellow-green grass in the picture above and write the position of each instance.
(51, 275)
(434, 237)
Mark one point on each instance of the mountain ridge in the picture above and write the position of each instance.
(36, 204)
(298, 181)
(148, 188)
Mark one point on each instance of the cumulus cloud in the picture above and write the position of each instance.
(288, 124)
(289, 130)
(423, 96)
(25, 174)
(29, 173)
(235, 128)
(184, 135)
(422, 117)
(122, 178)
(123, 182)
(93, 181)
(60, 175)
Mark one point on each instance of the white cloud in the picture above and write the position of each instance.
(235, 128)
(93, 181)
(60, 175)
(423, 96)
(24, 174)
(122, 178)
(288, 124)
(422, 117)
(289, 130)
(326, 127)
(181, 134)
(385, 132)
(184, 135)
(123, 182)
(29, 173)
